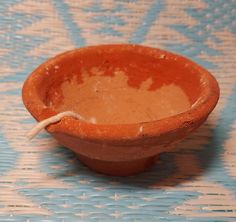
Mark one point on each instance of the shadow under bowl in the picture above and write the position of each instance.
(135, 101)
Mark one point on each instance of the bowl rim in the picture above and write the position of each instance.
(109, 132)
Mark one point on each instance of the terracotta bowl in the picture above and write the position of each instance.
(135, 100)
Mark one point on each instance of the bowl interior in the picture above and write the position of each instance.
(120, 86)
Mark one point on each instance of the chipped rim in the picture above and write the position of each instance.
(110, 132)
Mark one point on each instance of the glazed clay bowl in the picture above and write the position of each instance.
(135, 102)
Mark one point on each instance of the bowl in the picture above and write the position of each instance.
(135, 102)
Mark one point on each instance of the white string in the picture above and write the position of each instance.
(53, 119)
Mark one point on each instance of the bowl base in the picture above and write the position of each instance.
(118, 168)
